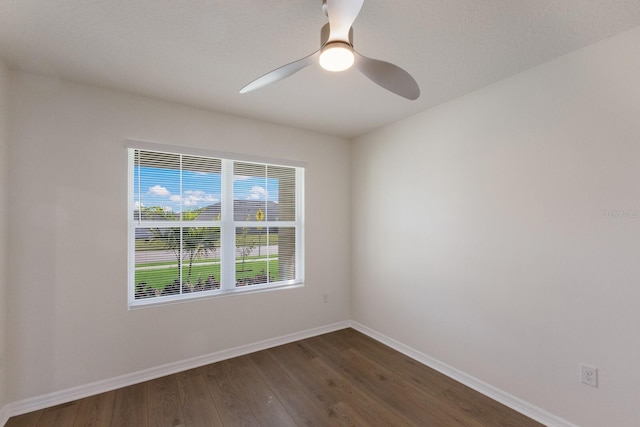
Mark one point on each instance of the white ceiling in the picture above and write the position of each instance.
(201, 52)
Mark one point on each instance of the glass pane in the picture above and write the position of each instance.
(249, 192)
(201, 188)
(156, 262)
(285, 238)
(168, 186)
(281, 188)
(264, 193)
(264, 255)
(200, 259)
(156, 184)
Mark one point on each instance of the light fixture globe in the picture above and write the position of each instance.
(336, 56)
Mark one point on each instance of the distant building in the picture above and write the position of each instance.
(242, 209)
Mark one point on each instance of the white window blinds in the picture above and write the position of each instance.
(203, 226)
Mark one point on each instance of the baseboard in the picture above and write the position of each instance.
(488, 390)
(4, 415)
(71, 394)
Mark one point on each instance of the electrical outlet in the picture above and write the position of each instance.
(589, 375)
(325, 298)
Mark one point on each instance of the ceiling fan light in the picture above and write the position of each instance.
(336, 56)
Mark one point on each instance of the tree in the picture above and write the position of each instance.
(197, 241)
(186, 243)
(244, 245)
(168, 237)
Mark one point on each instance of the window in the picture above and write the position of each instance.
(203, 226)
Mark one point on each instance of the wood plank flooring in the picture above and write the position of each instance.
(342, 378)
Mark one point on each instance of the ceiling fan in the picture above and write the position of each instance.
(336, 53)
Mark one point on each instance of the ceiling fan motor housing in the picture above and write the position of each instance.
(324, 35)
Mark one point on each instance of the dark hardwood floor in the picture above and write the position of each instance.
(339, 379)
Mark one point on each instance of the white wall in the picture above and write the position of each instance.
(480, 238)
(4, 226)
(69, 323)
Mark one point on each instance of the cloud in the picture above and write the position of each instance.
(257, 193)
(194, 198)
(137, 204)
(159, 190)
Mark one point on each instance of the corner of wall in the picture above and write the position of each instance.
(4, 145)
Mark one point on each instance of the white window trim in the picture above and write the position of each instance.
(227, 226)
(190, 151)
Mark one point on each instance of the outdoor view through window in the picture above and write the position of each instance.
(202, 226)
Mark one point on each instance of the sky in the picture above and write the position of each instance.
(161, 187)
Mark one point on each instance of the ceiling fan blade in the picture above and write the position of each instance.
(281, 73)
(388, 76)
(342, 14)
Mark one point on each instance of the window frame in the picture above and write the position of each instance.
(227, 224)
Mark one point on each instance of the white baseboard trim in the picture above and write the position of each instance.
(71, 394)
(4, 415)
(488, 390)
